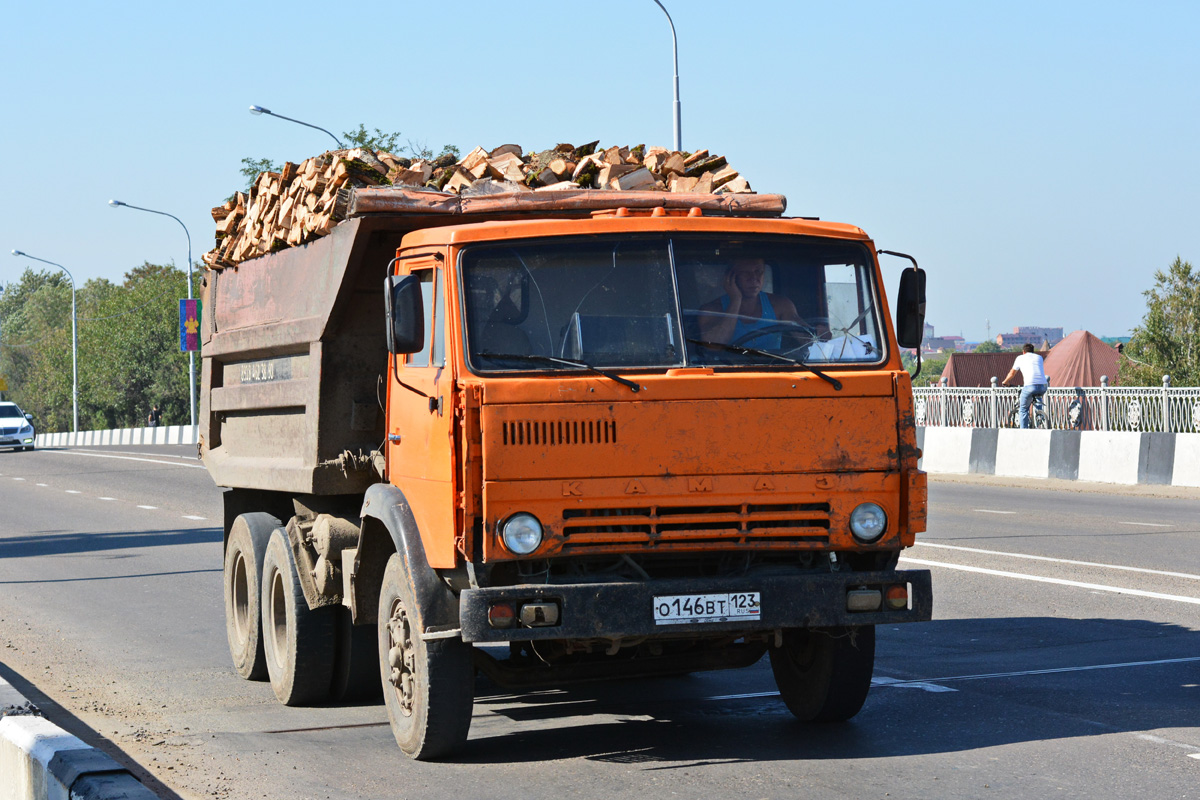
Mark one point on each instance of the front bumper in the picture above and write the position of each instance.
(618, 610)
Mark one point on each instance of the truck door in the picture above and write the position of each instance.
(420, 451)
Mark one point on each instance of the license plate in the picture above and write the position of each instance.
(683, 608)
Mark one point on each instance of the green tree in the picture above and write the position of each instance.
(1168, 340)
(988, 347)
(931, 370)
(129, 352)
(371, 141)
(253, 167)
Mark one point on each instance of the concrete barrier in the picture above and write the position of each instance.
(1167, 459)
(168, 434)
(41, 761)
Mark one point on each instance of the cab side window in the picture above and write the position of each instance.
(421, 358)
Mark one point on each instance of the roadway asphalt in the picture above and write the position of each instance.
(1063, 660)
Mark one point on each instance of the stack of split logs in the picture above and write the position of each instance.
(304, 201)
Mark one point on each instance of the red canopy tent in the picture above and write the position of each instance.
(1080, 360)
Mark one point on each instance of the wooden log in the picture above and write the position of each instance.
(674, 165)
(738, 185)
(562, 168)
(704, 184)
(506, 149)
(584, 150)
(683, 184)
(219, 213)
(723, 176)
(473, 158)
(459, 180)
(288, 172)
(635, 179)
(698, 168)
(699, 155)
(613, 156)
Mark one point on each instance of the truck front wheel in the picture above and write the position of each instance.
(428, 686)
(824, 674)
(248, 537)
(299, 641)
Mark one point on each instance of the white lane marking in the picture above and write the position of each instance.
(1193, 755)
(1147, 524)
(72, 491)
(18, 479)
(1055, 670)
(991, 511)
(106, 498)
(133, 453)
(148, 508)
(1061, 560)
(43, 484)
(1059, 581)
(124, 458)
(190, 516)
(879, 680)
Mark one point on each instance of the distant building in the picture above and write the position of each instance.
(1030, 334)
(939, 344)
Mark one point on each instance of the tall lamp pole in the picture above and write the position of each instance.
(256, 110)
(74, 341)
(675, 52)
(191, 353)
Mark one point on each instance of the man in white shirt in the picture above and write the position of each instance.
(1033, 375)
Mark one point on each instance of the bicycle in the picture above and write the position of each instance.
(1038, 418)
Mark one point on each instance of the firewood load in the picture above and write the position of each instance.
(306, 200)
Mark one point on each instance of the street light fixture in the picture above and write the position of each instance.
(675, 52)
(258, 110)
(74, 341)
(191, 353)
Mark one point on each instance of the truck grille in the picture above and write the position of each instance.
(716, 527)
(560, 432)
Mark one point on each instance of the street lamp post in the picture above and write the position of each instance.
(675, 53)
(256, 110)
(74, 341)
(191, 353)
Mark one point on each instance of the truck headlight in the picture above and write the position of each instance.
(868, 522)
(522, 533)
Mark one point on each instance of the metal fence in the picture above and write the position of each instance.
(1102, 408)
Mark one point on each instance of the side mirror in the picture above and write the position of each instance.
(910, 308)
(29, 417)
(405, 314)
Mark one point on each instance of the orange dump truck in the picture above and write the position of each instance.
(622, 433)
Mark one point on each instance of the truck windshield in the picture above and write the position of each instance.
(660, 302)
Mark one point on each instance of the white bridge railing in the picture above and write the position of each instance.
(1103, 408)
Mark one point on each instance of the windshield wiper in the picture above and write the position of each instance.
(754, 351)
(568, 361)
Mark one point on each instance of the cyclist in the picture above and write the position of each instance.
(1033, 375)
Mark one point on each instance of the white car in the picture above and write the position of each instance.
(16, 427)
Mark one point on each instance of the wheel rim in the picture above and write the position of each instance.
(239, 591)
(278, 620)
(401, 657)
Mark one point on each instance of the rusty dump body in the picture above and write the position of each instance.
(660, 456)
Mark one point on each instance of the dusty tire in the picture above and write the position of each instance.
(356, 665)
(428, 687)
(824, 674)
(248, 537)
(298, 642)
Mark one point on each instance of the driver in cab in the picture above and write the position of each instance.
(746, 316)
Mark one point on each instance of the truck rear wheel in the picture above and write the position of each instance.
(244, 551)
(824, 674)
(428, 686)
(298, 641)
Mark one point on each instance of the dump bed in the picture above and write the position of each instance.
(293, 349)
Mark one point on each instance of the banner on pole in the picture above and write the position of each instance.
(189, 325)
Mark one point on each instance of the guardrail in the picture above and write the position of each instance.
(1138, 409)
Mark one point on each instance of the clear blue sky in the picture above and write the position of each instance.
(1041, 160)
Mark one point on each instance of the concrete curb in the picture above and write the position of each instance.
(1161, 459)
(41, 761)
(166, 434)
